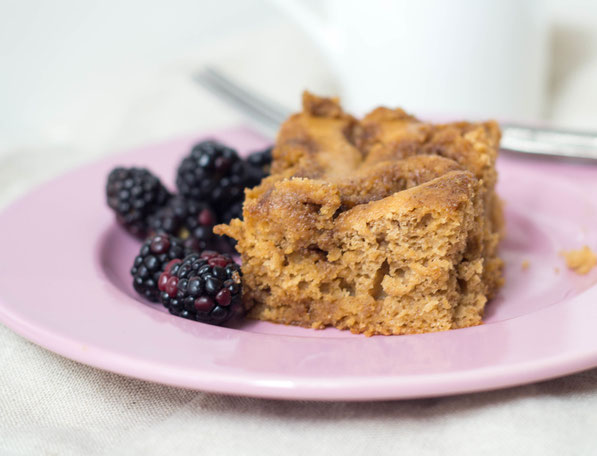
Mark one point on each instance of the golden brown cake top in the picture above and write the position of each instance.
(324, 141)
(327, 163)
(385, 152)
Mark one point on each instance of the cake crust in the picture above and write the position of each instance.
(387, 225)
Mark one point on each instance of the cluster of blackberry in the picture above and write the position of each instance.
(134, 194)
(202, 286)
(210, 183)
(177, 227)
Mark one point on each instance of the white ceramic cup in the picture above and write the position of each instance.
(456, 57)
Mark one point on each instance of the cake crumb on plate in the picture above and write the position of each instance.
(580, 261)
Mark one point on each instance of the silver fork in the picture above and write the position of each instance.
(518, 138)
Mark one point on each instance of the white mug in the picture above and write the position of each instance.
(442, 57)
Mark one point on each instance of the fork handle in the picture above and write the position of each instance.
(551, 142)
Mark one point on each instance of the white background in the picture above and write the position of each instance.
(100, 74)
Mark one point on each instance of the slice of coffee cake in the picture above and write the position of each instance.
(386, 225)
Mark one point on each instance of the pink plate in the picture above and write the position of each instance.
(64, 284)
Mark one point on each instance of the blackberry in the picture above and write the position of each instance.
(259, 164)
(133, 194)
(235, 210)
(262, 160)
(213, 173)
(151, 261)
(187, 219)
(203, 287)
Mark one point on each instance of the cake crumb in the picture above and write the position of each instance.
(580, 261)
(525, 265)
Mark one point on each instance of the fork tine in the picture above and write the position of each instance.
(258, 107)
(264, 103)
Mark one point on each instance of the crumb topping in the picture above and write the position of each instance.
(580, 261)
